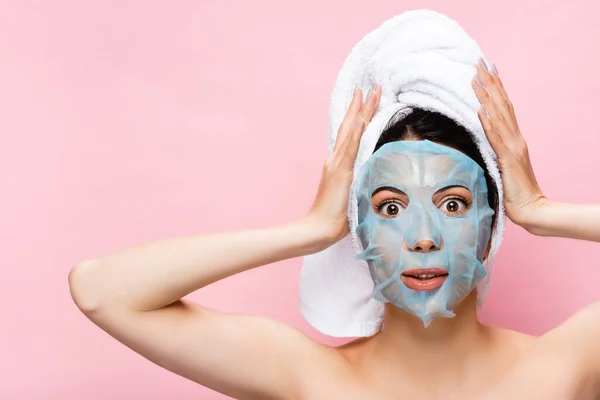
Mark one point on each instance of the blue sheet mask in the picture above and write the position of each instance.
(420, 234)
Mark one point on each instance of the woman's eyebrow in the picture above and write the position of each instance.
(390, 188)
(451, 187)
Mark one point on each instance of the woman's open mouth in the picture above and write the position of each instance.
(424, 280)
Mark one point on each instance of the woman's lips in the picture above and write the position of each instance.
(424, 280)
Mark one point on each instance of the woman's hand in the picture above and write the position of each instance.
(522, 194)
(330, 208)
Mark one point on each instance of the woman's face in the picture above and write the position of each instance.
(424, 222)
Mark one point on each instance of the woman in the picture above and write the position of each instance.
(135, 296)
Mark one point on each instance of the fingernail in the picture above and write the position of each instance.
(495, 70)
(369, 94)
(478, 81)
(483, 65)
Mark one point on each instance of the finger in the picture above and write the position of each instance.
(507, 103)
(366, 114)
(501, 88)
(349, 147)
(356, 134)
(492, 135)
(498, 81)
(349, 150)
(493, 86)
(350, 118)
(359, 123)
(371, 104)
(497, 119)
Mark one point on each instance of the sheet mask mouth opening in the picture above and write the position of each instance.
(424, 274)
(424, 281)
(424, 277)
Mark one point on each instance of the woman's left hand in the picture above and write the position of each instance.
(522, 194)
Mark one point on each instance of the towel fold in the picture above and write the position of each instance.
(421, 59)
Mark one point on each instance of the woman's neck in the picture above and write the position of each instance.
(448, 344)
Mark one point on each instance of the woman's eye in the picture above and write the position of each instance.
(453, 206)
(390, 209)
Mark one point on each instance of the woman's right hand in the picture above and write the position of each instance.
(330, 208)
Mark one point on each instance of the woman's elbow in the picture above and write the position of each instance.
(84, 292)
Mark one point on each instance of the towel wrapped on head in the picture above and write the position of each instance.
(421, 59)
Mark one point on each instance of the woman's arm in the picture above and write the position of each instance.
(576, 340)
(525, 203)
(135, 295)
(157, 274)
(576, 221)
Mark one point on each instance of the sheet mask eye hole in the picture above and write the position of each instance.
(389, 209)
(453, 207)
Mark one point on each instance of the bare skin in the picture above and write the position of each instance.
(136, 296)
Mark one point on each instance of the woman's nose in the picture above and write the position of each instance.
(425, 246)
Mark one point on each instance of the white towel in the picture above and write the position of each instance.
(420, 58)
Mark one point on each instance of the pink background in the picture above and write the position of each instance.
(126, 121)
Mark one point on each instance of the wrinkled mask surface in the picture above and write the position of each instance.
(424, 244)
